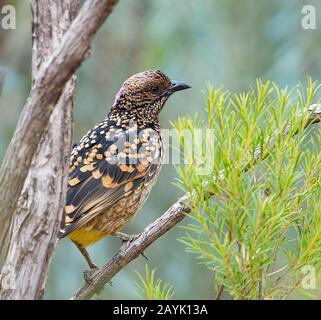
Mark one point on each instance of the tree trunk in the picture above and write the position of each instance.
(51, 79)
(38, 215)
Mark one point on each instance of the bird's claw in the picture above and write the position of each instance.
(126, 237)
(126, 240)
(89, 275)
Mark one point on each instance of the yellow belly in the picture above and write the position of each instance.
(86, 237)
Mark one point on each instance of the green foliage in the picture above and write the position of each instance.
(255, 189)
(152, 289)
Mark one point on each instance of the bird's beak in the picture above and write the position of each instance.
(178, 86)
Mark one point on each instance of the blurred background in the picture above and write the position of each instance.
(228, 43)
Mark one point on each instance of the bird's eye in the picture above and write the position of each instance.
(154, 89)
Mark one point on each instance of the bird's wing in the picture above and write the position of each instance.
(107, 167)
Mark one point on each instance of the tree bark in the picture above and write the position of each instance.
(48, 84)
(37, 217)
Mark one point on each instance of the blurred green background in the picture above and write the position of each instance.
(228, 43)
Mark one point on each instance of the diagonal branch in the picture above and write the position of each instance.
(73, 49)
(155, 230)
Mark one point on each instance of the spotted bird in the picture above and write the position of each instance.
(114, 166)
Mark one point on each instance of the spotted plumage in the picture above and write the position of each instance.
(114, 166)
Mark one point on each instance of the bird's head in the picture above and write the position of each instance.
(144, 94)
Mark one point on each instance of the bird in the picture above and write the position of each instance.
(114, 166)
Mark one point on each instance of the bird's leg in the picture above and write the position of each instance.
(93, 268)
(86, 255)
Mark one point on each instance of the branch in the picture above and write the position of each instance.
(47, 86)
(155, 230)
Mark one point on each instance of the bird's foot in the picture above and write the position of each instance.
(126, 240)
(89, 274)
(126, 237)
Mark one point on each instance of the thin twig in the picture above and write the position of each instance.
(220, 292)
